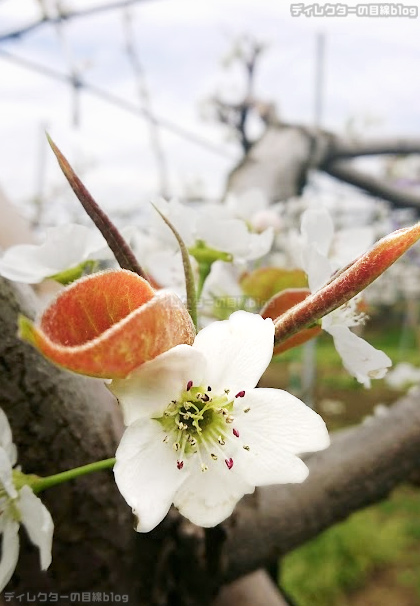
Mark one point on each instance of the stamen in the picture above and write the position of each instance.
(180, 464)
(205, 397)
(176, 446)
(212, 439)
(246, 448)
(189, 385)
(165, 439)
(208, 388)
(203, 465)
(229, 463)
(240, 394)
(247, 409)
(229, 419)
(235, 433)
(213, 456)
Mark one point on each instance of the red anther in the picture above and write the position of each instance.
(229, 463)
(235, 433)
(240, 394)
(189, 385)
(180, 464)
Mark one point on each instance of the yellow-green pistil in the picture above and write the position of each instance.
(198, 420)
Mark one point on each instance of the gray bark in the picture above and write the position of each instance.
(59, 421)
(279, 163)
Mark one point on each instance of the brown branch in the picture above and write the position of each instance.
(361, 467)
(345, 148)
(344, 171)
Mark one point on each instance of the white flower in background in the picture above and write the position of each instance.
(254, 208)
(64, 248)
(403, 376)
(222, 294)
(200, 435)
(19, 507)
(163, 264)
(213, 225)
(359, 357)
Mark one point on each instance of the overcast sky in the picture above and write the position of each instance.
(371, 70)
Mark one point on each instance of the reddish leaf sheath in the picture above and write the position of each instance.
(107, 324)
(346, 284)
(278, 305)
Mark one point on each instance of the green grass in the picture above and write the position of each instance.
(341, 559)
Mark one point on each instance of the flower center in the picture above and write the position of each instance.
(352, 313)
(199, 422)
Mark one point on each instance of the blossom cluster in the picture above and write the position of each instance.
(199, 432)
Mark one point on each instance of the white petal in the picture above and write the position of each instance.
(238, 350)
(6, 477)
(150, 388)
(233, 236)
(277, 427)
(260, 244)
(6, 441)
(317, 267)
(10, 551)
(38, 523)
(64, 247)
(146, 472)
(247, 204)
(351, 243)
(167, 269)
(182, 217)
(317, 228)
(207, 498)
(359, 358)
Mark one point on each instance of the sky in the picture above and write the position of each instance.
(371, 70)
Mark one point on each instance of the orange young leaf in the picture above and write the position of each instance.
(107, 324)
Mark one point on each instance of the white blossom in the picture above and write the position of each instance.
(403, 376)
(200, 435)
(359, 358)
(63, 248)
(254, 208)
(19, 506)
(215, 226)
